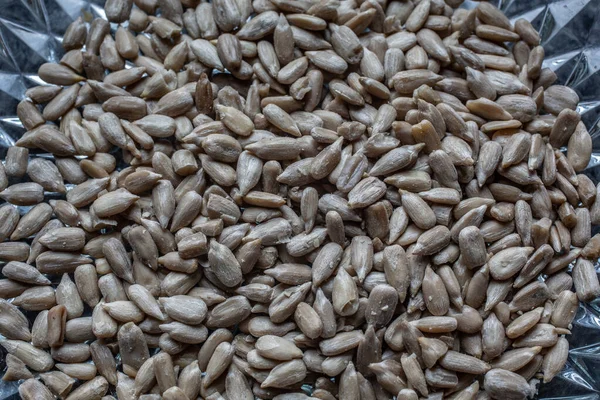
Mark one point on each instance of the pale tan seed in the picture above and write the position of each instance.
(418, 16)
(499, 381)
(25, 273)
(555, 359)
(285, 374)
(585, 280)
(458, 362)
(366, 192)
(34, 358)
(23, 194)
(34, 389)
(381, 306)
(432, 350)
(13, 324)
(36, 298)
(434, 293)
(104, 361)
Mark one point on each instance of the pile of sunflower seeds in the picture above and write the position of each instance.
(295, 199)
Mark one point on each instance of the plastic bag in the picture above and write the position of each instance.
(30, 34)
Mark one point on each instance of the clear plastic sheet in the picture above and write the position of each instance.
(31, 32)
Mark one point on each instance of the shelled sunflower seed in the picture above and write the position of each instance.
(295, 199)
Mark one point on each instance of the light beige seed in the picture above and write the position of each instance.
(388, 375)
(34, 389)
(39, 330)
(13, 324)
(224, 264)
(145, 301)
(58, 382)
(326, 262)
(362, 256)
(126, 107)
(25, 273)
(124, 311)
(418, 16)
(434, 293)
(432, 241)
(459, 362)
(407, 81)
(186, 211)
(104, 361)
(432, 350)
(96, 388)
(501, 382)
(414, 374)
(23, 194)
(132, 345)
(285, 374)
(345, 294)
(585, 280)
(34, 358)
(508, 262)
(16, 161)
(327, 60)
(36, 298)
(277, 348)
(348, 386)
(555, 359)
(418, 211)
(381, 306)
(164, 372)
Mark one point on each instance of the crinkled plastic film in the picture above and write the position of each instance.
(31, 31)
